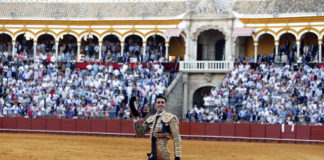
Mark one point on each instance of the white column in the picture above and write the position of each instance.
(255, 52)
(185, 95)
(56, 50)
(186, 56)
(13, 47)
(100, 45)
(144, 48)
(167, 52)
(298, 49)
(78, 52)
(320, 51)
(277, 49)
(35, 44)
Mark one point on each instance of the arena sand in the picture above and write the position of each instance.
(25, 146)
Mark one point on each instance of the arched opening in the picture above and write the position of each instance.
(155, 45)
(89, 48)
(244, 48)
(110, 48)
(266, 45)
(132, 48)
(308, 44)
(287, 44)
(5, 43)
(201, 95)
(211, 45)
(24, 46)
(45, 45)
(67, 48)
(177, 48)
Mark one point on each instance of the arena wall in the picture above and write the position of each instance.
(194, 131)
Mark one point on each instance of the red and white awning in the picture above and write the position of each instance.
(243, 32)
(173, 32)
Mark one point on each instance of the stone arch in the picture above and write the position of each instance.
(69, 32)
(266, 44)
(209, 27)
(151, 33)
(211, 45)
(94, 33)
(284, 31)
(107, 33)
(125, 35)
(305, 30)
(23, 32)
(199, 94)
(9, 33)
(42, 32)
(259, 34)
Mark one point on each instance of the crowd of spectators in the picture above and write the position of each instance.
(37, 89)
(269, 93)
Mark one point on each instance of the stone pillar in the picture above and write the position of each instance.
(228, 49)
(35, 44)
(100, 45)
(144, 48)
(298, 49)
(193, 56)
(255, 51)
(167, 52)
(320, 42)
(277, 47)
(78, 52)
(185, 95)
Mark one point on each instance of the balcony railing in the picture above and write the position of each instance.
(206, 66)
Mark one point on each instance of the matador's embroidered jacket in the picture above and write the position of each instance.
(167, 126)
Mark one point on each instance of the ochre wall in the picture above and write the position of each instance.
(266, 44)
(177, 47)
(249, 48)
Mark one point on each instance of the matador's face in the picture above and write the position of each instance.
(160, 105)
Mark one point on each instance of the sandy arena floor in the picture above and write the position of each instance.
(69, 147)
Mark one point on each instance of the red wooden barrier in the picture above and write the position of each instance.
(53, 124)
(289, 133)
(127, 127)
(83, 125)
(227, 129)
(317, 133)
(212, 129)
(67, 124)
(303, 132)
(38, 124)
(1, 122)
(257, 131)
(184, 128)
(242, 130)
(98, 125)
(9, 123)
(273, 131)
(24, 123)
(197, 129)
(113, 126)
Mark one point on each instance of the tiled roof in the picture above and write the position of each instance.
(279, 6)
(50, 10)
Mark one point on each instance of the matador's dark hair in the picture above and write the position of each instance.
(160, 96)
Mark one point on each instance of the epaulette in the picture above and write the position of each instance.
(167, 117)
(150, 119)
